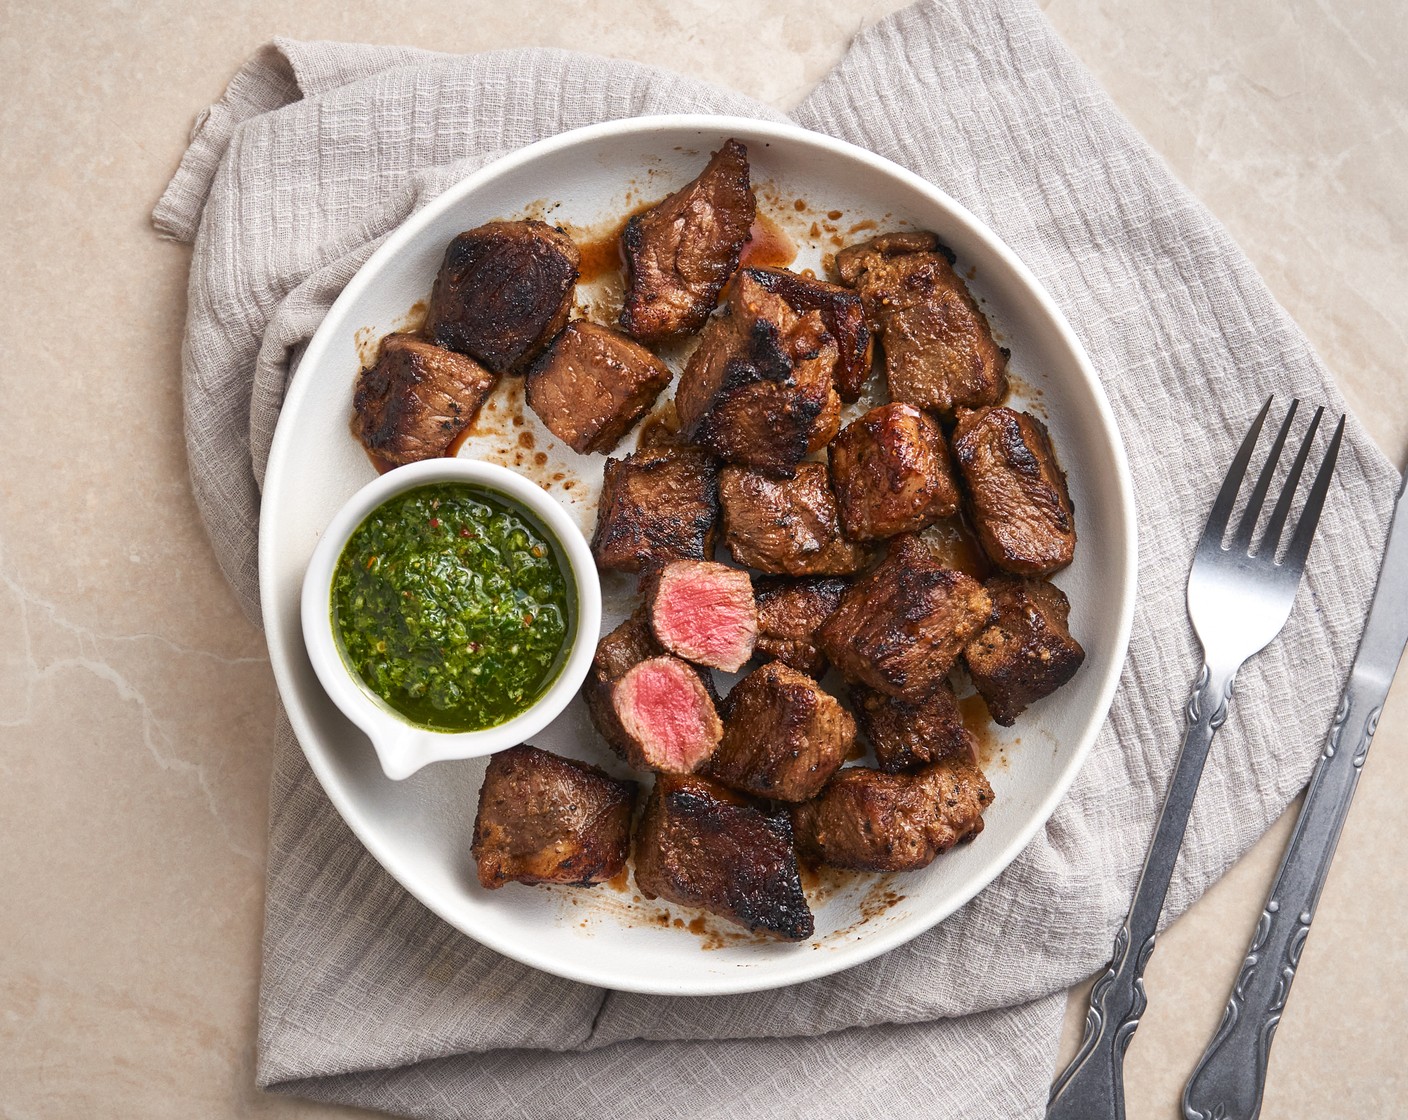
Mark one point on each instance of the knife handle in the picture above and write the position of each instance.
(1228, 1080)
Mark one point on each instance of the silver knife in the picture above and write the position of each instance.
(1228, 1080)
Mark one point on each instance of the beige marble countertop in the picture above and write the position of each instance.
(136, 703)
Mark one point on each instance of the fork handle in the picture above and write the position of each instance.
(1228, 1080)
(1092, 1087)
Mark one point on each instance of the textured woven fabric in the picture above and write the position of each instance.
(318, 150)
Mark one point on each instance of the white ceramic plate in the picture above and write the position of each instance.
(420, 828)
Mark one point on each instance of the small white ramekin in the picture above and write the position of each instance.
(402, 747)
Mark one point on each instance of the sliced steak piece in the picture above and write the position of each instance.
(939, 350)
(789, 612)
(681, 252)
(1018, 501)
(416, 398)
(503, 292)
(703, 612)
(841, 312)
(907, 736)
(1025, 651)
(784, 735)
(616, 654)
(701, 844)
(786, 527)
(868, 820)
(547, 819)
(900, 628)
(593, 385)
(657, 505)
(666, 716)
(890, 470)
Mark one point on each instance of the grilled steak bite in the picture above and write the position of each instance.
(758, 390)
(700, 844)
(503, 292)
(666, 717)
(900, 627)
(890, 470)
(547, 819)
(703, 612)
(1018, 500)
(1025, 651)
(657, 505)
(681, 252)
(416, 398)
(908, 735)
(939, 351)
(789, 612)
(616, 654)
(841, 313)
(592, 386)
(868, 820)
(784, 735)
(786, 527)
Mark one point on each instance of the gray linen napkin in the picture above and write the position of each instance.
(318, 150)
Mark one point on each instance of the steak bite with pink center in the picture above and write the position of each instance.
(616, 654)
(703, 612)
(907, 736)
(784, 735)
(789, 612)
(657, 505)
(547, 819)
(701, 844)
(666, 716)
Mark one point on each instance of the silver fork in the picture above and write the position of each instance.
(1239, 598)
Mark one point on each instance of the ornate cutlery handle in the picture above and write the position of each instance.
(1092, 1087)
(1228, 1080)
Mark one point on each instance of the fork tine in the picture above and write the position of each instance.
(1227, 496)
(1274, 527)
(1243, 537)
(1299, 547)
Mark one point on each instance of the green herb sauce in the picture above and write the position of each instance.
(454, 605)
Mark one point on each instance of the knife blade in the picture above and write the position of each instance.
(1228, 1081)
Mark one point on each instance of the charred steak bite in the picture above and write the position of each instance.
(842, 314)
(547, 819)
(1025, 651)
(938, 347)
(616, 654)
(1018, 500)
(703, 612)
(890, 470)
(416, 398)
(503, 292)
(901, 626)
(666, 717)
(592, 386)
(868, 820)
(789, 612)
(681, 252)
(657, 505)
(786, 527)
(784, 735)
(908, 735)
(700, 844)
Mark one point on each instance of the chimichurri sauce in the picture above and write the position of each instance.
(454, 605)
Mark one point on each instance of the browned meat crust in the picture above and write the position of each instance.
(900, 628)
(503, 292)
(700, 844)
(841, 312)
(890, 470)
(868, 820)
(907, 736)
(681, 252)
(657, 505)
(939, 350)
(786, 528)
(616, 654)
(547, 819)
(416, 398)
(593, 385)
(1018, 501)
(784, 735)
(1025, 651)
(789, 612)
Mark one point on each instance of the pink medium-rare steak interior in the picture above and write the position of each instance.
(705, 613)
(668, 714)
